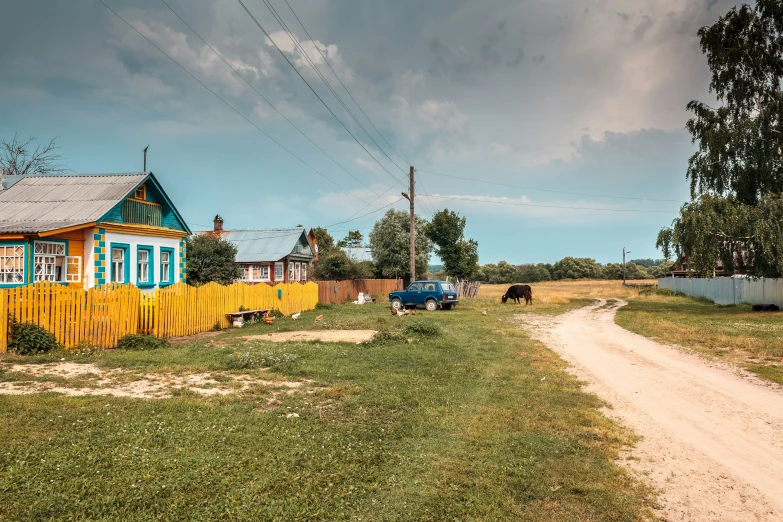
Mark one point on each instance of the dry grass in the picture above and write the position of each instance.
(559, 296)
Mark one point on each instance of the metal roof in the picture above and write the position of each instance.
(269, 244)
(30, 204)
(358, 254)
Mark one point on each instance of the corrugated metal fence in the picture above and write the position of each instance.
(100, 316)
(341, 291)
(728, 290)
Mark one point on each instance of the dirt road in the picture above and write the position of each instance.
(712, 438)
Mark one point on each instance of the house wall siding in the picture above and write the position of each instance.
(134, 241)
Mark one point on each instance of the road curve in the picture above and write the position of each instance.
(712, 438)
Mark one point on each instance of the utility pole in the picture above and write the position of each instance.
(145, 158)
(410, 196)
(624, 252)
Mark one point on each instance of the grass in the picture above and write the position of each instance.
(471, 421)
(735, 334)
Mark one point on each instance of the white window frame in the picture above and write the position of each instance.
(304, 272)
(143, 276)
(121, 264)
(291, 272)
(249, 272)
(45, 257)
(298, 271)
(165, 267)
(75, 261)
(279, 272)
(12, 276)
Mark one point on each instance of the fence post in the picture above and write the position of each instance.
(3, 321)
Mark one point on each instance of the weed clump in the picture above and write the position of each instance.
(243, 361)
(422, 329)
(31, 339)
(139, 342)
(388, 337)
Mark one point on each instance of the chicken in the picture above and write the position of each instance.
(268, 319)
(485, 312)
(319, 318)
(394, 311)
(413, 312)
(296, 316)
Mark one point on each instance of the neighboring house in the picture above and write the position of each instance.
(270, 255)
(358, 253)
(85, 230)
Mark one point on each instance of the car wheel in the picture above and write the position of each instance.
(431, 305)
(396, 304)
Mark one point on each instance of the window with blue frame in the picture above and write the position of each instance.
(144, 266)
(166, 266)
(120, 269)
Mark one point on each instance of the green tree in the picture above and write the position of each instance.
(736, 174)
(576, 268)
(323, 239)
(390, 243)
(352, 240)
(211, 258)
(459, 255)
(534, 273)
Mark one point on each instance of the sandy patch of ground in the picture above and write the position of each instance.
(88, 379)
(327, 336)
(712, 440)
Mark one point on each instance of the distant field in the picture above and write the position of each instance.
(557, 296)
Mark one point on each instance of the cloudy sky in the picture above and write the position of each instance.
(571, 101)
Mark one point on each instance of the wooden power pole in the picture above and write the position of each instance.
(410, 196)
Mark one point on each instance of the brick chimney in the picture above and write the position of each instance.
(218, 224)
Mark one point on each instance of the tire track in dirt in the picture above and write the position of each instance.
(712, 440)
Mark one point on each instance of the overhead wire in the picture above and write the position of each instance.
(258, 24)
(231, 106)
(343, 84)
(318, 72)
(273, 106)
(551, 206)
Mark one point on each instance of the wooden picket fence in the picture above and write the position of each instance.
(101, 316)
(341, 291)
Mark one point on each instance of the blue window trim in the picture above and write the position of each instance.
(171, 267)
(26, 245)
(31, 263)
(126, 262)
(150, 266)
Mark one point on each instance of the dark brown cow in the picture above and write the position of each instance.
(518, 291)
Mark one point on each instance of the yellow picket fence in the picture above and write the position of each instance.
(100, 316)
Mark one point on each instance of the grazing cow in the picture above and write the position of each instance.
(517, 291)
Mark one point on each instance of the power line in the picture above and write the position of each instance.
(265, 99)
(318, 72)
(549, 190)
(341, 83)
(552, 206)
(231, 106)
(311, 88)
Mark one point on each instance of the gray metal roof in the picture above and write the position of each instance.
(30, 204)
(270, 244)
(358, 254)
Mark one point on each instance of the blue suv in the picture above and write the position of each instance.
(430, 294)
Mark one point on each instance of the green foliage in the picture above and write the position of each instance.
(217, 326)
(647, 263)
(459, 255)
(31, 339)
(336, 265)
(323, 239)
(390, 242)
(352, 240)
(576, 268)
(566, 268)
(211, 258)
(736, 175)
(139, 342)
(386, 336)
(422, 329)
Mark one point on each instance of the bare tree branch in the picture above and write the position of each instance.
(18, 159)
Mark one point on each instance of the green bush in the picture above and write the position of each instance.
(141, 342)
(422, 329)
(388, 337)
(30, 339)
